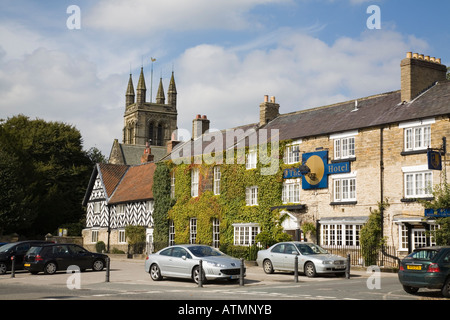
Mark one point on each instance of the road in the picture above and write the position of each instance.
(129, 281)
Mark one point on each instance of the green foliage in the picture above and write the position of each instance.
(163, 202)
(441, 200)
(44, 175)
(135, 234)
(100, 247)
(371, 238)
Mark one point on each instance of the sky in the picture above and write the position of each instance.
(70, 61)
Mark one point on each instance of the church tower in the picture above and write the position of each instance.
(147, 123)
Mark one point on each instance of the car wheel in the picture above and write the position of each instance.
(98, 265)
(446, 288)
(50, 268)
(155, 273)
(411, 290)
(310, 270)
(267, 266)
(3, 268)
(196, 275)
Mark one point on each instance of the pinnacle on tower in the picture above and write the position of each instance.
(141, 89)
(160, 98)
(172, 92)
(129, 95)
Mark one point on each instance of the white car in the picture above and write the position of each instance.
(312, 259)
(182, 261)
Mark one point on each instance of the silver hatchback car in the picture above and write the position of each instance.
(182, 261)
(312, 259)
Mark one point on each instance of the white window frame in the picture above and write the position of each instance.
(192, 230)
(344, 187)
(122, 236)
(340, 234)
(344, 144)
(216, 182)
(251, 196)
(245, 233)
(417, 134)
(94, 235)
(195, 173)
(171, 233)
(292, 152)
(97, 207)
(251, 160)
(291, 191)
(121, 209)
(172, 185)
(418, 182)
(216, 233)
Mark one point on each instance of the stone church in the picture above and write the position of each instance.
(145, 123)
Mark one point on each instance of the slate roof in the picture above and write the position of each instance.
(371, 111)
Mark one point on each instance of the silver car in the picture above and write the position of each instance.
(312, 259)
(182, 261)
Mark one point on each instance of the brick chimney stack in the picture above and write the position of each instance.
(418, 73)
(147, 155)
(268, 110)
(199, 126)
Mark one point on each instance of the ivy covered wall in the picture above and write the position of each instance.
(229, 206)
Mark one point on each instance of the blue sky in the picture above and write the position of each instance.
(226, 55)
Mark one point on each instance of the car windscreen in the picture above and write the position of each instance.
(6, 247)
(310, 248)
(204, 251)
(34, 250)
(423, 254)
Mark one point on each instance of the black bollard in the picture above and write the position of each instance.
(296, 268)
(241, 276)
(347, 268)
(108, 264)
(13, 266)
(200, 273)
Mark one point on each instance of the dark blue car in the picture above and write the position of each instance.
(427, 267)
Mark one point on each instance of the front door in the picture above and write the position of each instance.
(419, 238)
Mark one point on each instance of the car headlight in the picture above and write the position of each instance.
(215, 264)
(327, 262)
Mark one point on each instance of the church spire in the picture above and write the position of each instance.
(129, 95)
(141, 89)
(160, 98)
(172, 92)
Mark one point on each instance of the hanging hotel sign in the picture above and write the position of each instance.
(315, 169)
(434, 160)
(438, 213)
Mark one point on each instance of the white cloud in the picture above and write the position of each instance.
(150, 17)
(300, 70)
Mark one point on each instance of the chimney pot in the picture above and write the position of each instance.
(204, 117)
(421, 56)
(272, 99)
(415, 55)
(438, 60)
(409, 55)
(266, 98)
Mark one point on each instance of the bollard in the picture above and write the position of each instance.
(296, 268)
(347, 268)
(241, 276)
(200, 273)
(13, 266)
(107, 269)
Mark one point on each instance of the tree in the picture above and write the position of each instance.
(371, 237)
(45, 173)
(441, 200)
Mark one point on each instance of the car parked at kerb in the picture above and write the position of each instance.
(426, 267)
(183, 261)
(16, 250)
(49, 258)
(312, 259)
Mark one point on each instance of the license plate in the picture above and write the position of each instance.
(234, 276)
(26, 265)
(339, 267)
(414, 267)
